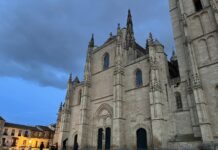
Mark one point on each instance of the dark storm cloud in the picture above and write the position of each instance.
(44, 40)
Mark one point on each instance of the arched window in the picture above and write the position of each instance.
(138, 77)
(106, 61)
(79, 96)
(178, 100)
(198, 5)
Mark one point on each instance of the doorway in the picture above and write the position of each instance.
(100, 135)
(141, 139)
(104, 138)
(75, 145)
(108, 139)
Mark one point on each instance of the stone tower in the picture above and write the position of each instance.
(132, 97)
(195, 33)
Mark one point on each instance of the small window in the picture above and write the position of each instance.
(19, 133)
(178, 100)
(138, 77)
(3, 142)
(198, 5)
(79, 96)
(5, 132)
(106, 61)
(13, 132)
(14, 142)
(26, 134)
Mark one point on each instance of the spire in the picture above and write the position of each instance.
(69, 85)
(92, 42)
(147, 45)
(118, 29)
(150, 36)
(173, 53)
(130, 40)
(129, 23)
(118, 26)
(173, 57)
(150, 39)
(60, 108)
(111, 34)
(76, 80)
(70, 78)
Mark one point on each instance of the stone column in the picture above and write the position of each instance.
(214, 5)
(64, 130)
(103, 138)
(83, 127)
(193, 114)
(118, 119)
(199, 97)
(84, 122)
(155, 96)
(201, 106)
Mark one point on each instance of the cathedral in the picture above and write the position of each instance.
(133, 98)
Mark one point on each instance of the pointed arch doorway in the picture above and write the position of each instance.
(141, 136)
(104, 139)
(104, 115)
(75, 146)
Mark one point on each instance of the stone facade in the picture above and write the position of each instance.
(132, 97)
(195, 34)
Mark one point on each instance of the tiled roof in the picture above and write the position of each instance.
(19, 126)
(1, 118)
(109, 40)
(141, 49)
(53, 125)
(44, 128)
(138, 47)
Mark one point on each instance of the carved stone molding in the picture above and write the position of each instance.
(196, 81)
(213, 4)
(153, 63)
(155, 86)
(119, 70)
(183, 19)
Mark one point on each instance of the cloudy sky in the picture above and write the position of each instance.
(42, 41)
